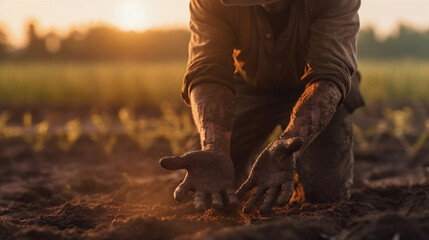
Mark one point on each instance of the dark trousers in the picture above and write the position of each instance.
(325, 169)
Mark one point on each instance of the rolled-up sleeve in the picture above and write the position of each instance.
(332, 44)
(210, 47)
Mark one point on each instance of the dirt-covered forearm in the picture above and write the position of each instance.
(213, 107)
(313, 112)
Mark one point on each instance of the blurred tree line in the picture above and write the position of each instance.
(407, 43)
(101, 43)
(3, 45)
(110, 43)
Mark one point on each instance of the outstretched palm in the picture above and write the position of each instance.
(272, 173)
(208, 173)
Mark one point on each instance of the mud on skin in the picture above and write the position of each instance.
(213, 108)
(313, 111)
(273, 172)
(210, 172)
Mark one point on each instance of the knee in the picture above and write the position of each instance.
(327, 197)
(323, 193)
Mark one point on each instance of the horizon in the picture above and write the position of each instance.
(131, 15)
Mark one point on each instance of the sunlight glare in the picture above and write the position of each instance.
(131, 16)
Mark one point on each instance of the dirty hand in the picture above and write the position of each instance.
(273, 172)
(208, 173)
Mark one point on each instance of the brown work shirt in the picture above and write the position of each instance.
(317, 43)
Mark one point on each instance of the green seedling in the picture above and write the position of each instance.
(67, 137)
(361, 138)
(141, 131)
(398, 124)
(417, 146)
(176, 128)
(4, 117)
(401, 122)
(101, 136)
(36, 135)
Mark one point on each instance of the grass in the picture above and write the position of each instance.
(90, 84)
(148, 84)
(397, 82)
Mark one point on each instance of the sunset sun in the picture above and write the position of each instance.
(131, 16)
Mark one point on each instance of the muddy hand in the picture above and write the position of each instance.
(208, 175)
(273, 174)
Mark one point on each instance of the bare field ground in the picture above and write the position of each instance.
(88, 194)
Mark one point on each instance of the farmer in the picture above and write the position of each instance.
(257, 64)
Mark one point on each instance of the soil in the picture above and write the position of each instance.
(86, 194)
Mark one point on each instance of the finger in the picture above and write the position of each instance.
(285, 194)
(217, 201)
(245, 187)
(200, 201)
(182, 190)
(254, 199)
(173, 163)
(232, 197)
(269, 200)
(294, 144)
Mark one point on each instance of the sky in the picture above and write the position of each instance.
(138, 15)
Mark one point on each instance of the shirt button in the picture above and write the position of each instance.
(268, 35)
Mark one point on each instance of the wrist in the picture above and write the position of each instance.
(325, 89)
(293, 143)
(216, 148)
(289, 133)
(215, 139)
